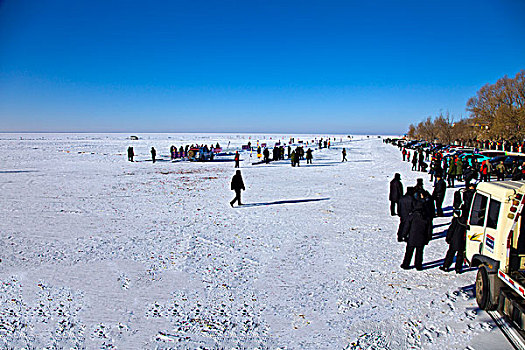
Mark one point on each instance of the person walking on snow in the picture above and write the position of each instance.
(396, 191)
(237, 185)
(344, 155)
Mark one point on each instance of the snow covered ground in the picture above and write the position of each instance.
(98, 252)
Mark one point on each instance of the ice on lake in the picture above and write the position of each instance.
(99, 252)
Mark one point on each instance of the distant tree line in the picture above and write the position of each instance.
(497, 113)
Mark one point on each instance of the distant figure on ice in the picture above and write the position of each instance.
(344, 155)
(396, 191)
(266, 154)
(292, 158)
(131, 153)
(237, 185)
(153, 154)
(416, 234)
(309, 156)
(237, 159)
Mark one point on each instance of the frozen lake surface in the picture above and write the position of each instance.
(98, 252)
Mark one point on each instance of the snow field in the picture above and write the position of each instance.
(98, 252)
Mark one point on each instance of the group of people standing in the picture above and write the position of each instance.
(175, 152)
(417, 209)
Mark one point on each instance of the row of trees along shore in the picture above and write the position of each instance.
(497, 114)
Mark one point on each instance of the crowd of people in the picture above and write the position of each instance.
(455, 168)
(417, 208)
(175, 153)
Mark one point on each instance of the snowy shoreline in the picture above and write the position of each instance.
(98, 252)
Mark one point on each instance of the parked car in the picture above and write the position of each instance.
(508, 161)
(492, 153)
(471, 156)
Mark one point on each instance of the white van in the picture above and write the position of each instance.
(495, 242)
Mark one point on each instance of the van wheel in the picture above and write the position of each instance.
(483, 297)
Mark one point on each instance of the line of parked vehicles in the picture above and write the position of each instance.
(467, 154)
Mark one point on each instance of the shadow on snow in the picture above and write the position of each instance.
(291, 201)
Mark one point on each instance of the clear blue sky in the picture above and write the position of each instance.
(249, 66)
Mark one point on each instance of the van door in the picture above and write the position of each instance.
(477, 221)
(493, 246)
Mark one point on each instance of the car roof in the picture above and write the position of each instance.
(502, 189)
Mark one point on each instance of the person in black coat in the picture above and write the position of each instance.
(417, 235)
(421, 160)
(404, 208)
(131, 153)
(237, 185)
(456, 241)
(153, 154)
(439, 194)
(266, 154)
(396, 191)
(468, 195)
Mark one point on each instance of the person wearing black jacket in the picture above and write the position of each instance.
(153, 154)
(456, 241)
(468, 195)
(396, 191)
(417, 234)
(404, 208)
(266, 154)
(421, 160)
(131, 153)
(237, 185)
(439, 194)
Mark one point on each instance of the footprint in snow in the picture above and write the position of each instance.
(471, 314)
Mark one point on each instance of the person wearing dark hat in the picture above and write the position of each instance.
(417, 234)
(237, 185)
(396, 191)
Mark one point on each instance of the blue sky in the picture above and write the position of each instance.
(249, 66)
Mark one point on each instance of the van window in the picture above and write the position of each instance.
(492, 219)
(477, 216)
